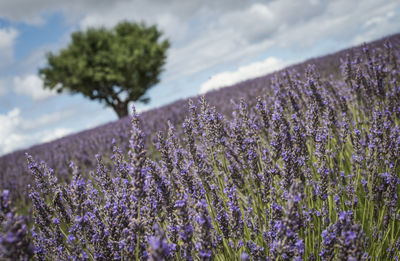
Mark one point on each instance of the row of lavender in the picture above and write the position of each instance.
(309, 172)
(82, 146)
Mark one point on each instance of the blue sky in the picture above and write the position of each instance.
(214, 44)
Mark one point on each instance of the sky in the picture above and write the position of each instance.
(213, 44)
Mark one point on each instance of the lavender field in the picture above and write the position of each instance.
(302, 164)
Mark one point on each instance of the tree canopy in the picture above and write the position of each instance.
(115, 66)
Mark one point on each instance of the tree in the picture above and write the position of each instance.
(115, 66)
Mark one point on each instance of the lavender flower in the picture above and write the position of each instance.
(159, 247)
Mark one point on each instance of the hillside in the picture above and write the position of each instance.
(302, 164)
(82, 147)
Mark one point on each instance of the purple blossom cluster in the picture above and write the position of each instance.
(14, 241)
(306, 166)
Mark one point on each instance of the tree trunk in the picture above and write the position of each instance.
(121, 109)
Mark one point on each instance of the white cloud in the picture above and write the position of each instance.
(254, 23)
(7, 38)
(32, 86)
(17, 132)
(9, 138)
(380, 22)
(206, 33)
(171, 25)
(253, 70)
(34, 12)
(9, 121)
(219, 47)
(55, 134)
(47, 119)
(339, 21)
